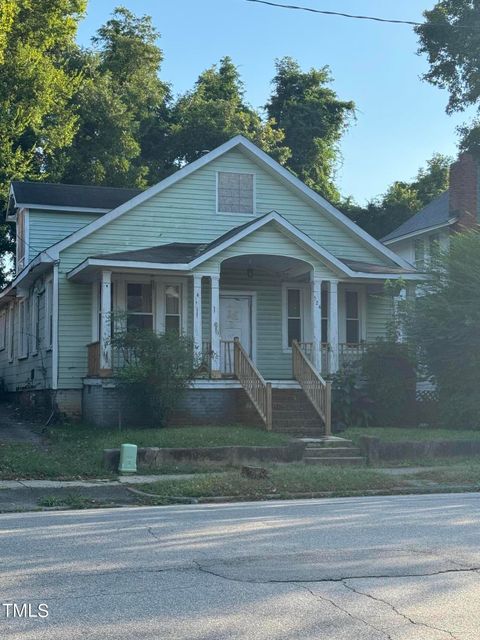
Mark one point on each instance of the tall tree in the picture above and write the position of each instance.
(36, 118)
(450, 38)
(402, 199)
(214, 111)
(122, 107)
(308, 110)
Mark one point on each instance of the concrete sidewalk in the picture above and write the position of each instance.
(100, 482)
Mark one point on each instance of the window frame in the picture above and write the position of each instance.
(303, 288)
(23, 322)
(3, 330)
(119, 300)
(254, 194)
(48, 315)
(151, 313)
(11, 333)
(419, 263)
(35, 322)
(362, 312)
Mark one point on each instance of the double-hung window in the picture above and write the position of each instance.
(3, 330)
(172, 308)
(35, 317)
(324, 316)
(419, 249)
(235, 192)
(11, 332)
(139, 306)
(352, 317)
(23, 328)
(294, 316)
(48, 314)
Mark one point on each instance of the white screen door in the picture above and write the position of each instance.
(235, 322)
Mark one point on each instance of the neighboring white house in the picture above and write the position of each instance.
(455, 210)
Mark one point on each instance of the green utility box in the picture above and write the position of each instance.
(128, 458)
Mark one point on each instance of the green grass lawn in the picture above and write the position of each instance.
(75, 451)
(418, 434)
(464, 472)
(283, 481)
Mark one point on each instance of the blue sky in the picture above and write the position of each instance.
(401, 120)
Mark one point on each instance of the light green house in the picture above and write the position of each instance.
(230, 246)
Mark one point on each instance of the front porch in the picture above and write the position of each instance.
(260, 323)
(261, 303)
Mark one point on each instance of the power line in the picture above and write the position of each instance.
(411, 23)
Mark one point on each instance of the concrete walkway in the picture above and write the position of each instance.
(15, 429)
(119, 482)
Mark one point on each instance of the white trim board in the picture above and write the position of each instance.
(421, 232)
(241, 142)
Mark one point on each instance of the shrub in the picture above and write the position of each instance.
(350, 406)
(155, 370)
(389, 374)
(445, 323)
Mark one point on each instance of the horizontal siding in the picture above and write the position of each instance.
(379, 315)
(18, 373)
(48, 227)
(185, 212)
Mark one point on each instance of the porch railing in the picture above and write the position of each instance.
(348, 353)
(317, 390)
(258, 390)
(226, 357)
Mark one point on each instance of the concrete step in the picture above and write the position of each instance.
(332, 452)
(354, 461)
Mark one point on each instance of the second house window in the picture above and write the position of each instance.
(139, 306)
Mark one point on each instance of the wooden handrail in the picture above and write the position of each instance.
(317, 390)
(258, 390)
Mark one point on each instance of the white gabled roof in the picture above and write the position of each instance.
(261, 157)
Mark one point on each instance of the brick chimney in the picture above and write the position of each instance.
(464, 192)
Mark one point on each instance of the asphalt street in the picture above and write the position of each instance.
(398, 568)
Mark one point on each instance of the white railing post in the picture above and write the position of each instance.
(333, 326)
(215, 324)
(105, 321)
(316, 307)
(197, 314)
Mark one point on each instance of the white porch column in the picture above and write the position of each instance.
(197, 313)
(215, 324)
(105, 321)
(316, 306)
(333, 326)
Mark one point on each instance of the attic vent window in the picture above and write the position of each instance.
(235, 192)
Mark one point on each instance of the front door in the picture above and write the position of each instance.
(235, 322)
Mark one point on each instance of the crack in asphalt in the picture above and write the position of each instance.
(397, 611)
(440, 572)
(348, 613)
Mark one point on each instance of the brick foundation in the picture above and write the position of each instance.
(208, 406)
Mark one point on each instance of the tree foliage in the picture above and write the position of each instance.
(36, 116)
(215, 111)
(309, 112)
(402, 199)
(445, 325)
(121, 106)
(450, 38)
